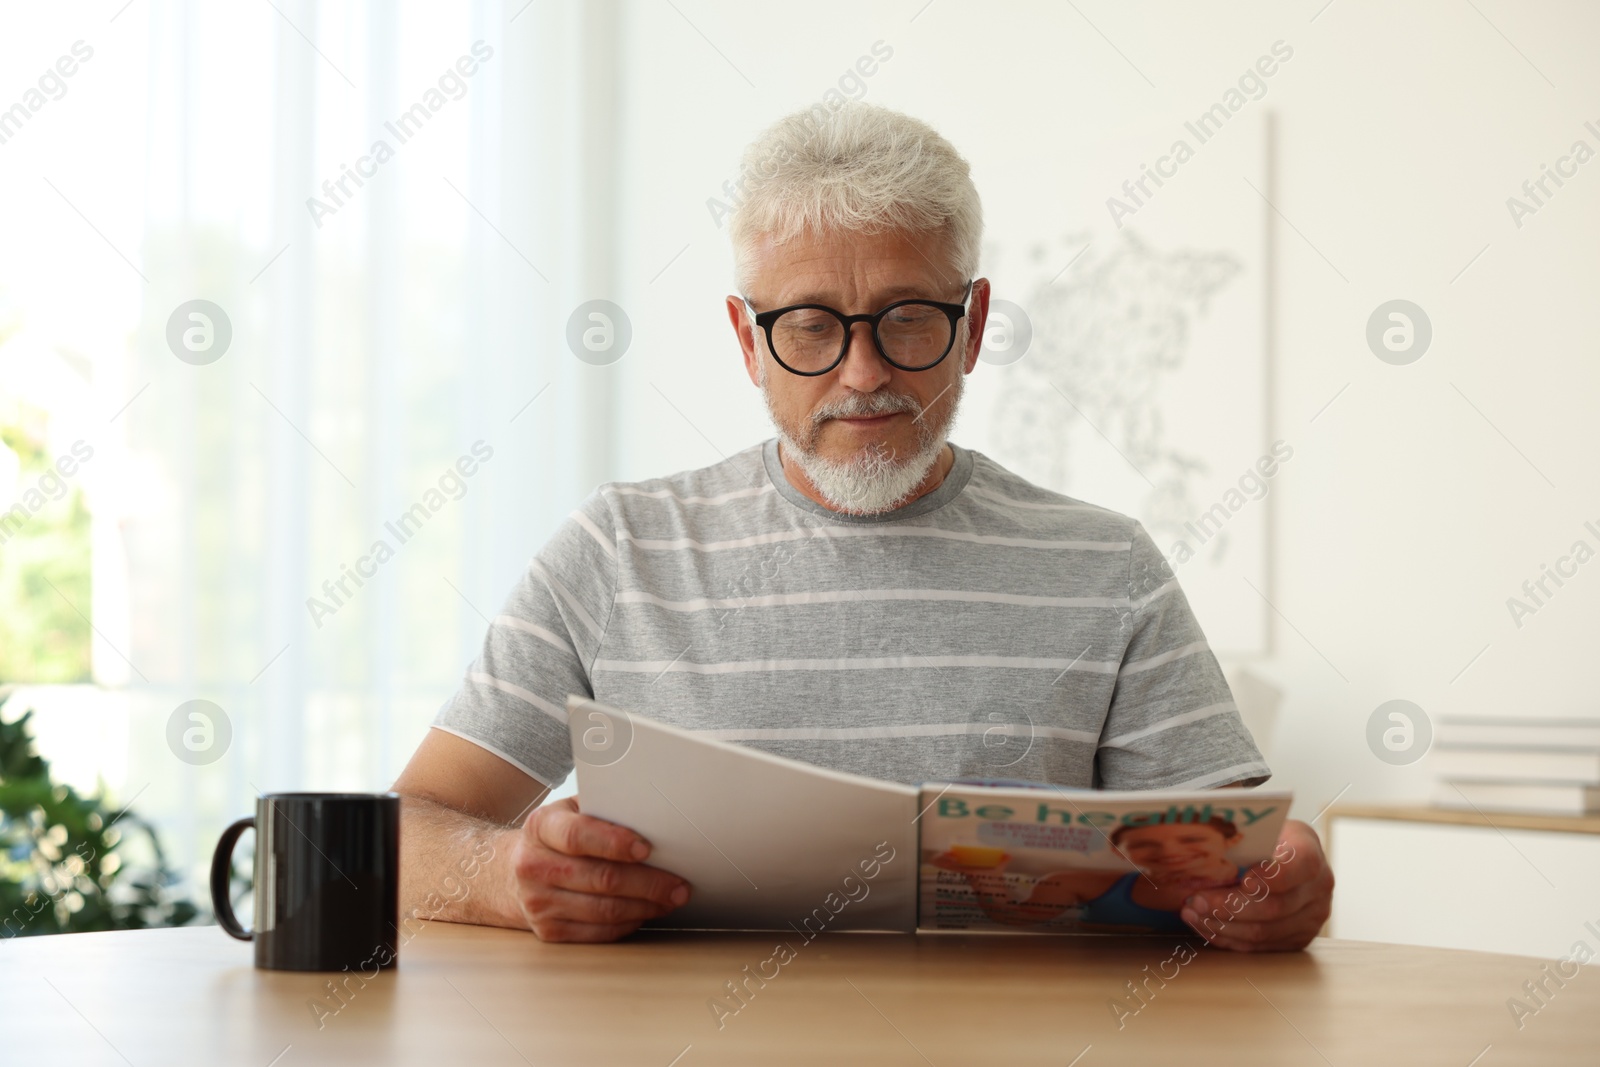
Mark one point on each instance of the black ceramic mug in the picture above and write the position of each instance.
(327, 880)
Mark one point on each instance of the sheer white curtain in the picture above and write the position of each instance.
(388, 204)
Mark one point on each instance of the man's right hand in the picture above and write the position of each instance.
(579, 878)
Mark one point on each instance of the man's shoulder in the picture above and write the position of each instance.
(1005, 496)
(723, 486)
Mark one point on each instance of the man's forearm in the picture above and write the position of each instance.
(455, 866)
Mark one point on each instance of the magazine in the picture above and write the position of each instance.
(1046, 859)
(769, 843)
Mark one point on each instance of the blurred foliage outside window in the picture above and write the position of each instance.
(44, 557)
(67, 862)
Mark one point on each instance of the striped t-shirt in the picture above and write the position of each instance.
(990, 628)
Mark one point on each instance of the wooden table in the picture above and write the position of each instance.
(471, 995)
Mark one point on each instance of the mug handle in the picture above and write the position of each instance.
(221, 868)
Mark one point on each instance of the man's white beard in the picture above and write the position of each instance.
(874, 480)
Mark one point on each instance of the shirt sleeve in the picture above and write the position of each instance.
(541, 647)
(1172, 722)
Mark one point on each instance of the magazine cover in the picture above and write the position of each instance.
(1026, 857)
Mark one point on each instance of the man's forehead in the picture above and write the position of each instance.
(870, 282)
(879, 266)
(800, 292)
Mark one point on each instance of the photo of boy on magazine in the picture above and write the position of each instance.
(1174, 860)
(1122, 868)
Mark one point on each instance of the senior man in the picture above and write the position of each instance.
(857, 592)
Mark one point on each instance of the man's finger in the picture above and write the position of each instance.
(565, 905)
(563, 829)
(609, 878)
(1290, 920)
(1283, 936)
(1222, 905)
(1244, 932)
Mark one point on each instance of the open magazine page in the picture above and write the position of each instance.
(767, 843)
(1044, 859)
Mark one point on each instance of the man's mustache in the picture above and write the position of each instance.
(866, 407)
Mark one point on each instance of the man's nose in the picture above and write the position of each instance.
(863, 369)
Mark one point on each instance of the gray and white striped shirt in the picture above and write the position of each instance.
(990, 628)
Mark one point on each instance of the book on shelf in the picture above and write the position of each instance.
(1517, 732)
(1523, 797)
(1577, 766)
(769, 843)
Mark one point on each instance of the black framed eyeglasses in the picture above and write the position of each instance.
(812, 339)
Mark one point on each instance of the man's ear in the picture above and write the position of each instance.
(744, 329)
(977, 321)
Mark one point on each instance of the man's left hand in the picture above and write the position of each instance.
(1279, 905)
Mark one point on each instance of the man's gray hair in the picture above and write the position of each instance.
(858, 169)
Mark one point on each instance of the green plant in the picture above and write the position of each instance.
(62, 855)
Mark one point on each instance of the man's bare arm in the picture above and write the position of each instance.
(478, 846)
(460, 809)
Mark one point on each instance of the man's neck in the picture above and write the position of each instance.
(936, 475)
